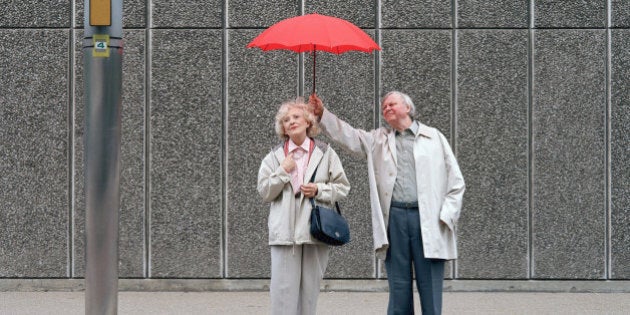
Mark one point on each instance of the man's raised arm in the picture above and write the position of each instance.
(355, 141)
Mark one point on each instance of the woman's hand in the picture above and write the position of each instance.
(288, 164)
(309, 190)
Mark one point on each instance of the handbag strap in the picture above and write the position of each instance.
(313, 200)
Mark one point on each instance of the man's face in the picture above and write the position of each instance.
(394, 109)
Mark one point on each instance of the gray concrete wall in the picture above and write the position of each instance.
(532, 94)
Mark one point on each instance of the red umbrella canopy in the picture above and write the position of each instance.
(314, 32)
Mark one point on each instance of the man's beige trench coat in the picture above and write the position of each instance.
(440, 182)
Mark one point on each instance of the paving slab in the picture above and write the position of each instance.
(365, 303)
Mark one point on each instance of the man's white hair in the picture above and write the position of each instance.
(406, 99)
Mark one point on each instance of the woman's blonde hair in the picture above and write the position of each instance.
(313, 128)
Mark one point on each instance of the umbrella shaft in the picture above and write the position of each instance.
(314, 55)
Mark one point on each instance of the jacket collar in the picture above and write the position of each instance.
(318, 153)
(413, 128)
(422, 130)
(305, 145)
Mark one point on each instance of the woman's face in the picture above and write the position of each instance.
(295, 125)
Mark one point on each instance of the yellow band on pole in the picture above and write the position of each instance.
(100, 12)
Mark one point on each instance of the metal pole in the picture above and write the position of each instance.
(102, 51)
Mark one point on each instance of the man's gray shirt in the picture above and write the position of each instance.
(405, 188)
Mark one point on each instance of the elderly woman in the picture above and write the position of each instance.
(298, 261)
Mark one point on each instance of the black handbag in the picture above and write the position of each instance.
(328, 225)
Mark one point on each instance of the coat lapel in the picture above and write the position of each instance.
(313, 162)
(391, 140)
(316, 157)
(279, 153)
(424, 130)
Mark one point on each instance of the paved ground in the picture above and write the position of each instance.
(363, 303)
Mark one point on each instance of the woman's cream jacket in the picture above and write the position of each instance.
(288, 223)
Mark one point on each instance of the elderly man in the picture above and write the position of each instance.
(416, 191)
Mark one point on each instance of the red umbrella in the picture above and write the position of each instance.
(314, 32)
